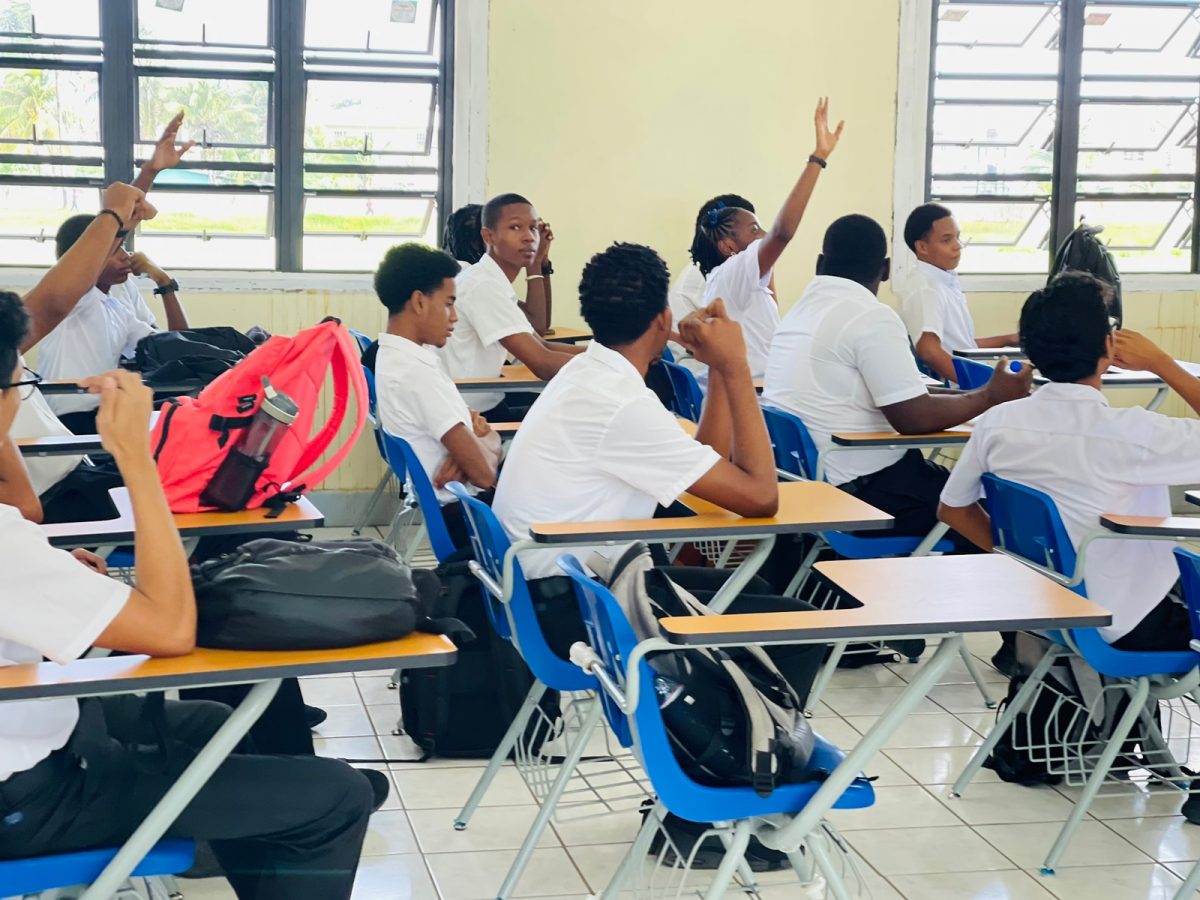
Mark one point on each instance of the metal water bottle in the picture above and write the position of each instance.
(233, 484)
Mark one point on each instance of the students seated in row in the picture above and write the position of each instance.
(462, 238)
(933, 305)
(94, 330)
(1066, 441)
(76, 775)
(417, 400)
(598, 445)
(491, 324)
(737, 257)
(840, 361)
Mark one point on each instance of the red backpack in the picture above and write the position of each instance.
(194, 434)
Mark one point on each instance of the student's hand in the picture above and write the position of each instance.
(1005, 385)
(124, 417)
(166, 154)
(122, 199)
(447, 472)
(1136, 351)
(714, 338)
(144, 265)
(545, 239)
(480, 425)
(826, 140)
(91, 560)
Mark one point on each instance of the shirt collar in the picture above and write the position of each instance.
(419, 352)
(489, 268)
(939, 276)
(1070, 392)
(611, 359)
(834, 285)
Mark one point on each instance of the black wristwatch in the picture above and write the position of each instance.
(169, 288)
(547, 269)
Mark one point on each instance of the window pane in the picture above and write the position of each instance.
(369, 118)
(347, 181)
(353, 233)
(210, 230)
(1148, 235)
(236, 22)
(1149, 28)
(49, 104)
(69, 18)
(1013, 38)
(218, 110)
(30, 216)
(388, 25)
(1003, 236)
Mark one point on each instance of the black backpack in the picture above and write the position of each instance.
(194, 354)
(463, 711)
(1082, 251)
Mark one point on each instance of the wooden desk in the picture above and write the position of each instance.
(1153, 526)
(1192, 497)
(804, 506)
(909, 596)
(512, 378)
(877, 439)
(204, 668)
(64, 445)
(562, 335)
(109, 532)
(991, 353)
(505, 429)
(164, 389)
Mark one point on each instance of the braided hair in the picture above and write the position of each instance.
(461, 237)
(714, 223)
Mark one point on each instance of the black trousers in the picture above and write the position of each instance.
(1166, 627)
(512, 408)
(456, 519)
(80, 422)
(558, 614)
(283, 828)
(908, 490)
(82, 494)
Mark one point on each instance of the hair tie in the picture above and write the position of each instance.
(714, 214)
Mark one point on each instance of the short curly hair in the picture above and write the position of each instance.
(622, 289)
(411, 267)
(14, 326)
(1064, 326)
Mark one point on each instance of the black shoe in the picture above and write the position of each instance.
(314, 716)
(910, 648)
(711, 851)
(1005, 660)
(205, 864)
(381, 786)
(856, 656)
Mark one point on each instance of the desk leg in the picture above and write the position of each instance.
(856, 760)
(181, 793)
(1191, 884)
(1157, 400)
(742, 574)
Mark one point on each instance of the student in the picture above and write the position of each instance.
(1066, 441)
(933, 305)
(417, 399)
(598, 445)
(76, 775)
(737, 257)
(840, 361)
(687, 292)
(462, 238)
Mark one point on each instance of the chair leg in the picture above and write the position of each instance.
(550, 804)
(374, 501)
(1005, 721)
(515, 730)
(1190, 885)
(973, 671)
(824, 677)
(817, 845)
(637, 852)
(748, 882)
(735, 853)
(1124, 725)
(1159, 748)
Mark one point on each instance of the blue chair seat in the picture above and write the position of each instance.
(853, 547)
(44, 873)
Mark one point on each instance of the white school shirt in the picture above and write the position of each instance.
(91, 340)
(487, 313)
(596, 445)
(1066, 441)
(838, 356)
(685, 296)
(418, 402)
(748, 301)
(35, 419)
(54, 606)
(934, 303)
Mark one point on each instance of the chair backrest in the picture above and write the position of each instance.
(402, 458)
(688, 397)
(667, 355)
(363, 341)
(1026, 523)
(1189, 578)
(519, 623)
(795, 452)
(971, 374)
(373, 415)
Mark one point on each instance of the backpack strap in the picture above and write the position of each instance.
(347, 373)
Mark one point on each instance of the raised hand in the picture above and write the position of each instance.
(1136, 351)
(714, 338)
(826, 140)
(545, 239)
(122, 199)
(124, 417)
(166, 153)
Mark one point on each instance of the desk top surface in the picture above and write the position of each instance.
(58, 387)
(1192, 497)
(1180, 526)
(992, 353)
(564, 335)
(518, 377)
(201, 667)
(958, 435)
(803, 506)
(910, 596)
(59, 445)
(301, 514)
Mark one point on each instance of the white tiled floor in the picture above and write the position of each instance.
(916, 842)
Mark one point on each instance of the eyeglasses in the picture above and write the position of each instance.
(26, 385)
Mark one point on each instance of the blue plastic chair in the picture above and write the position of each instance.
(377, 433)
(637, 721)
(1027, 526)
(971, 374)
(363, 341)
(511, 612)
(689, 399)
(403, 460)
(30, 877)
(667, 355)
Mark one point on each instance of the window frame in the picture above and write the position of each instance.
(914, 147)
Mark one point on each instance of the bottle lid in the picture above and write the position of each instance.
(277, 405)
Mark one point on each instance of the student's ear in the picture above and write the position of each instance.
(488, 236)
(727, 247)
(820, 263)
(418, 302)
(887, 270)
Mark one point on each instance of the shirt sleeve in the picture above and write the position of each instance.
(437, 407)
(1169, 454)
(884, 360)
(645, 447)
(965, 484)
(928, 315)
(494, 315)
(51, 602)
